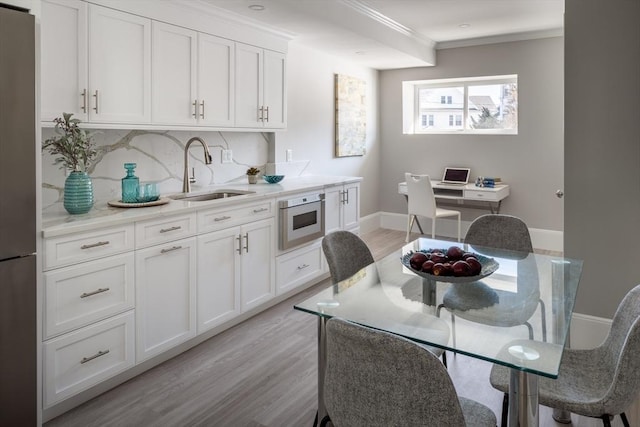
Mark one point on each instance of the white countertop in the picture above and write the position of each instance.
(103, 215)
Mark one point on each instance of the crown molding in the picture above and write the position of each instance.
(478, 41)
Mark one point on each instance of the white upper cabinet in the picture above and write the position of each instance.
(119, 66)
(216, 80)
(174, 74)
(64, 59)
(260, 87)
(192, 76)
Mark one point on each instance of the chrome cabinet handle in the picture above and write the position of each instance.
(261, 114)
(174, 228)
(97, 291)
(95, 95)
(346, 197)
(267, 119)
(202, 109)
(246, 239)
(195, 108)
(260, 210)
(342, 197)
(171, 249)
(239, 239)
(303, 266)
(84, 100)
(222, 218)
(95, 356)
(94, 245)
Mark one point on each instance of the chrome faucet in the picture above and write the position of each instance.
(186, 183)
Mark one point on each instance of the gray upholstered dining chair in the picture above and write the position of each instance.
(601, 382)
(374, 378)
(508, 237)
(346, 254)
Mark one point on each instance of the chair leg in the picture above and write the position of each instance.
(409, 226)
(606, 422)
(315, 420)
(324, 421)
(625, 421)
(444, 359)
(505, 410)
(543, 318)
(530, 328)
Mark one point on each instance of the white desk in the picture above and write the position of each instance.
(461, 193)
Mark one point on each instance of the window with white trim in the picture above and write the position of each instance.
(469, 105)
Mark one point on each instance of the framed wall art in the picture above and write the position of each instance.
(351, 116)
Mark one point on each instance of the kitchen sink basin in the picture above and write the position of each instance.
(214, 195)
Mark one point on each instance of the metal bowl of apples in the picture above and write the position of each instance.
(452, 265)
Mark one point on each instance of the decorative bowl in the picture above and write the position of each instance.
(489, 266)
(273, 179)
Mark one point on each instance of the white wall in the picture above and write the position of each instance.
(531, 162)
(311, 121)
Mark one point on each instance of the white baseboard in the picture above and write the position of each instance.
(588, 331)
(549, 240)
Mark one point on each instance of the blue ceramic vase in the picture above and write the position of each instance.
(78, 193)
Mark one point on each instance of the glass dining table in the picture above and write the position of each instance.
(517, 316)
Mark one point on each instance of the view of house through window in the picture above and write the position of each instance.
(471, 105)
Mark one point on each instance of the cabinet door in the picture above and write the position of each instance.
(249, 99)
(275, 98)
(119, 66)
(216, 81)
(258, 273)
(218, 277)
(333, 209)
(174, 74)
(351, 207)
(165, 296)
(63, 38)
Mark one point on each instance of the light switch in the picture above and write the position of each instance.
(289, 155)
(227, 156)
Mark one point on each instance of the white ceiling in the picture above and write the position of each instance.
(385, 34)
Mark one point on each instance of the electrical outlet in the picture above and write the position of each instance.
(227, 156)
(289, 155)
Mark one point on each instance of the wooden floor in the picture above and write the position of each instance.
(261, 372)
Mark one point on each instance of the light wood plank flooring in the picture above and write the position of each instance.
(261, 372)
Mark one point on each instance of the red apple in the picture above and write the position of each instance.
(438, 257)
(416, 260)
(427, 267)
(461, 268)
(439, 269)
(455, 253)
(475, 265)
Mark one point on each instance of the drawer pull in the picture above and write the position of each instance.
(222, 218)
(260, 210)
(95, 356)
(166, 230)
(303, 266)
(97, 291)
(94, 245)
(171, 249)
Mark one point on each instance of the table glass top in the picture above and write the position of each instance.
(518, 316)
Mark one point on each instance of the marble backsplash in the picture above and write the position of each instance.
(159, 156)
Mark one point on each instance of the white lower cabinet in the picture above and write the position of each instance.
(165, 296)
(80, 359)
(218, 277)
(257, 263)
(342, 207)
(298, 267)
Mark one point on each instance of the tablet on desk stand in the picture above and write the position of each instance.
(456, 176)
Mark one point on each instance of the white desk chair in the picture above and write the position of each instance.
(422, 202)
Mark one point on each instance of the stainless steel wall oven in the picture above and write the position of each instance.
(301, 220)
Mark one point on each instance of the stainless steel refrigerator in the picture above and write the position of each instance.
(18, 332)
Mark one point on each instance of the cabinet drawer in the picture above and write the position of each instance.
(72, 249)
(78, 360)
(217, 219)
(78, 295)
(299, 267)
(480, 195)
(157, 231)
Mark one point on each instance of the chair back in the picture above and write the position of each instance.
(346, 254)
(377, 378)
(421, 200)
(620, 354)
(501, 232)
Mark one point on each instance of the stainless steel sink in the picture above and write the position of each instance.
(214, 195)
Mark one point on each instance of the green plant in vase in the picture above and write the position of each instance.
(75, 151)
(252, 175)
